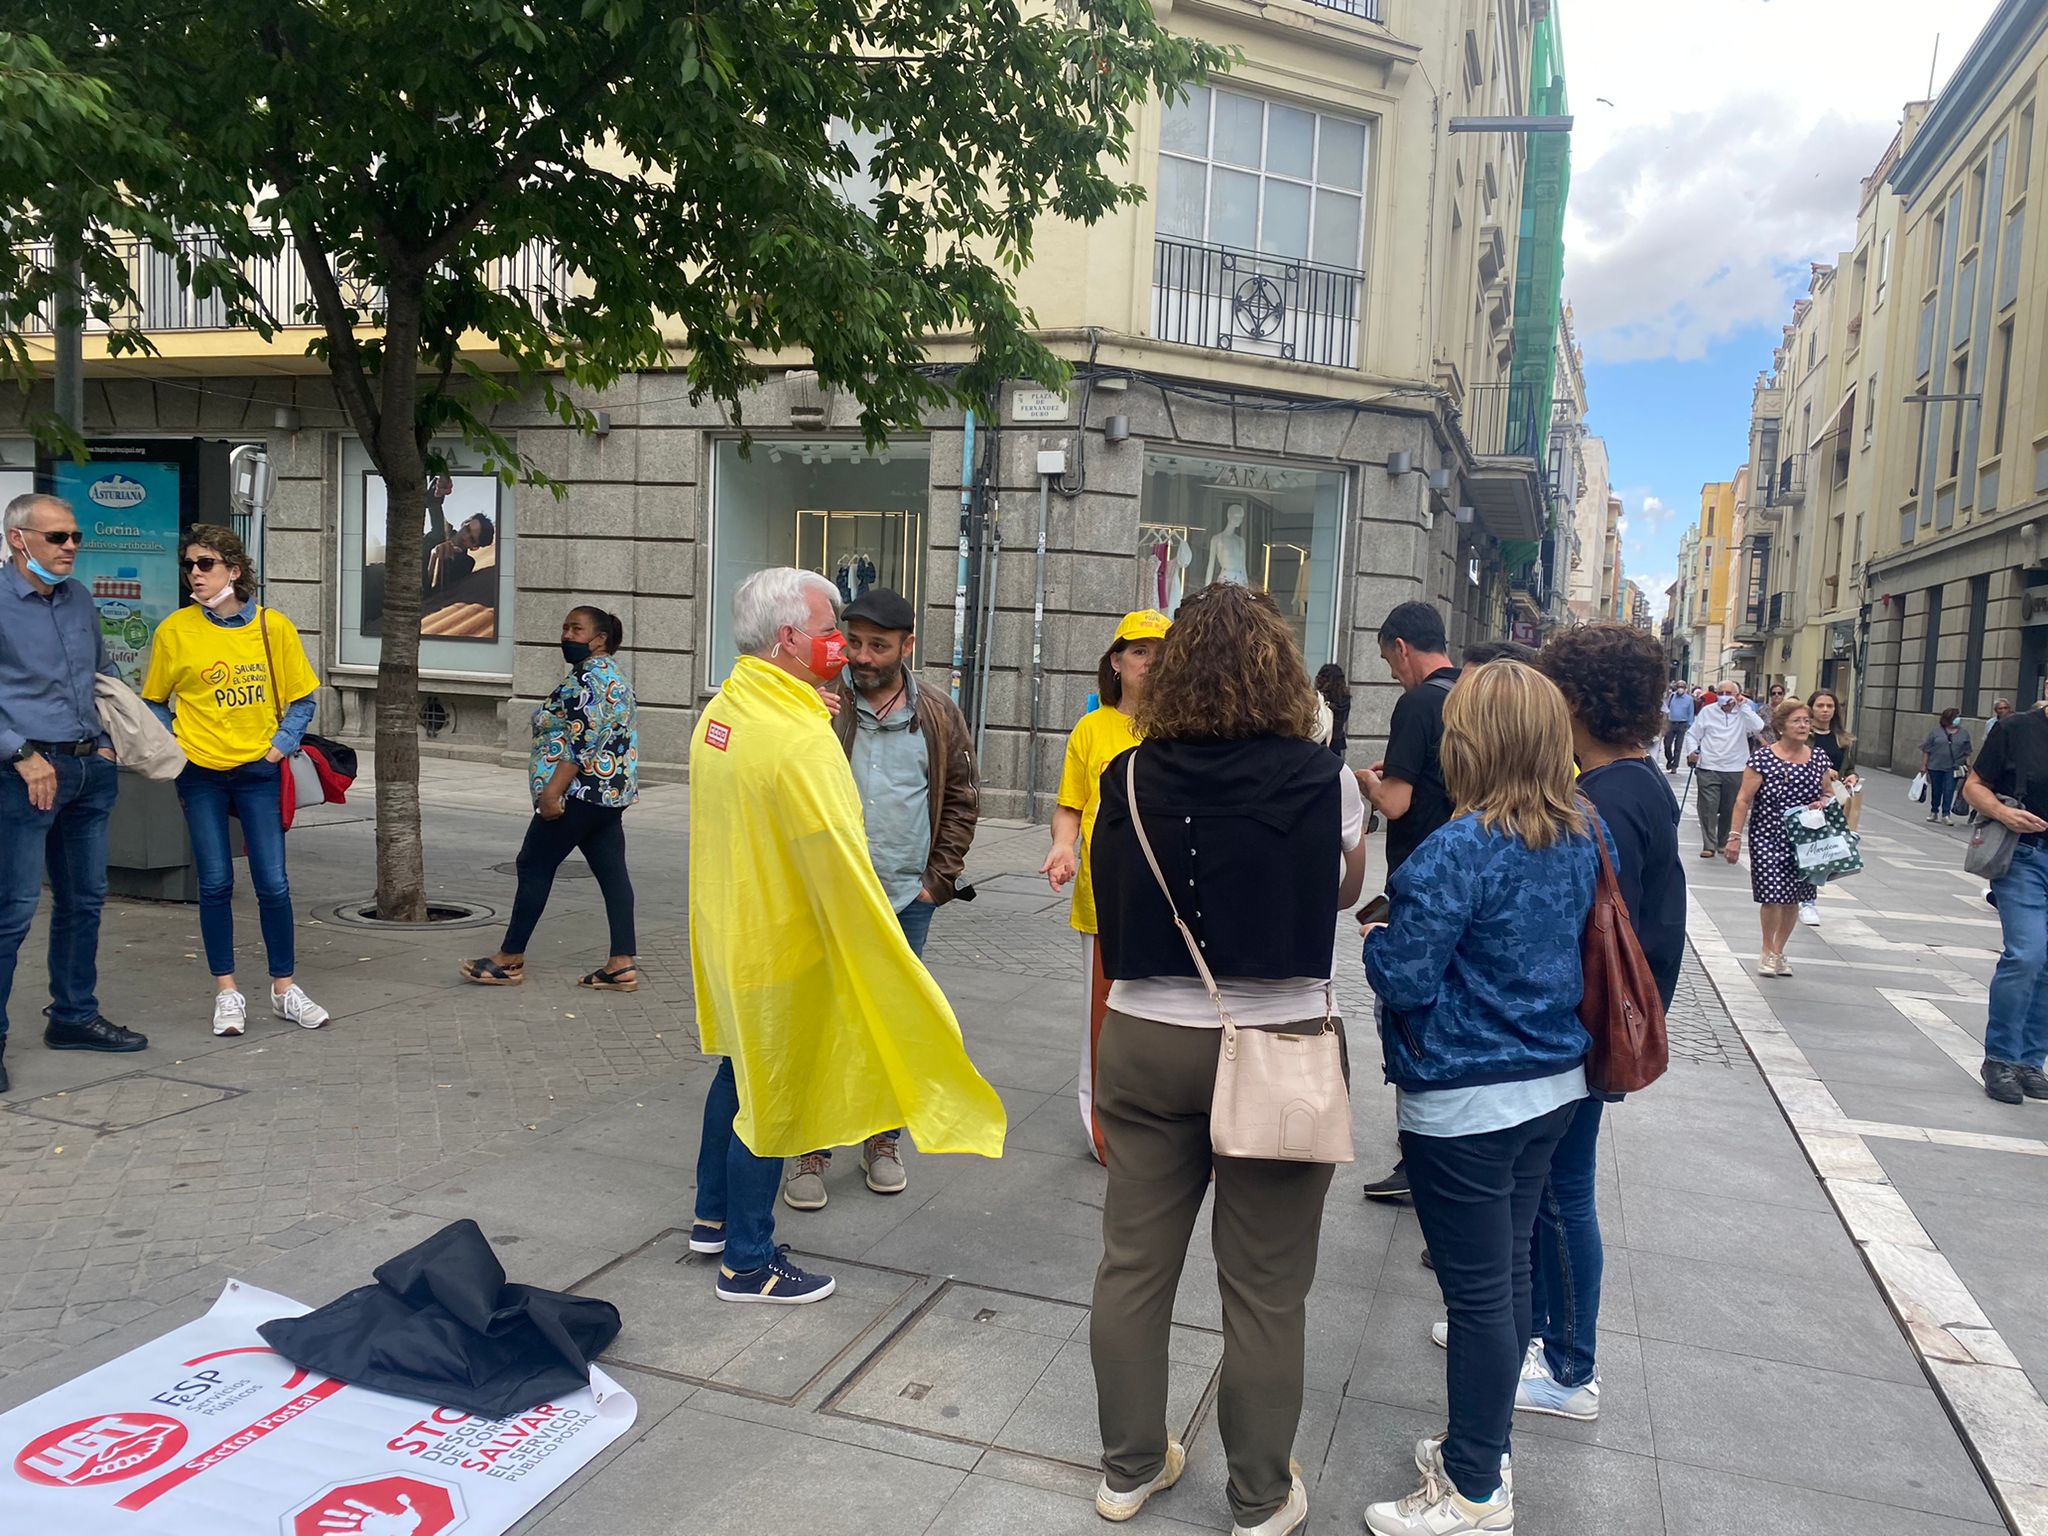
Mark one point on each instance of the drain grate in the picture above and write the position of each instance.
(123, 1103)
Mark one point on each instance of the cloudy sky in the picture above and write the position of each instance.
(1724, 159)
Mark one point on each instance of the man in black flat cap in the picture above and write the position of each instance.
(913, 765)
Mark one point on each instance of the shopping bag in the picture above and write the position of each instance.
(1918, 791)
(1822, 844)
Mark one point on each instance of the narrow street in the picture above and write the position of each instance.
(1754, 1377)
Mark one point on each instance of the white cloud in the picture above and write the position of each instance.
(1731, 155)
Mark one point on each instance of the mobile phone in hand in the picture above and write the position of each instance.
(1374, 911)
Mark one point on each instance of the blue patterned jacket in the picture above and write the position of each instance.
(1478, 970)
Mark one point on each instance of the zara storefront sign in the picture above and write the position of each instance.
(205, 1429)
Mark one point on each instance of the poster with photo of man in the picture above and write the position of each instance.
(456, 559)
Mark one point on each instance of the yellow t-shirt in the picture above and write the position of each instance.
(1103, 735)
(219, 685)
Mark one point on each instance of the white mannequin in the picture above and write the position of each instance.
(1177, 573)
(1226, 550)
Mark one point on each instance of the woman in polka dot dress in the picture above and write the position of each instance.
(1787, 774)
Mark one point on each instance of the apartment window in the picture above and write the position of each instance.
(1870, 411)
(862, 187)
(1959, 384)
(1919, 418)
(1884, 269)
(1262, 176)
(2003, 386)
(1930, 650)
(2023, 162)
(1813, 349)
(1973, 657)
(1934, 250)
(1973, 229)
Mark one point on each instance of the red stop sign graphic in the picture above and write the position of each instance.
(103, 1449)
(396, 1505)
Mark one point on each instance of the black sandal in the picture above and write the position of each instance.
(625, 979)
(486, 972)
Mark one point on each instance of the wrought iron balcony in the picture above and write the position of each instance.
(1787, 487)
(1499, 421)
(1365, 10)
(165, 303)
(1241, 301)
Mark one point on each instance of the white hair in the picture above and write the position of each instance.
(19, 509)
(769, 599)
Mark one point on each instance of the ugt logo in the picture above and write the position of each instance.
(103, 1449)
(396, 1505)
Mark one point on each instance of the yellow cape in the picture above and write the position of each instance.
(836, 1030)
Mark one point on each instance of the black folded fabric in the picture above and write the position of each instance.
(442, 1325)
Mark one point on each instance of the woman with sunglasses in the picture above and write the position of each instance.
(231, 679)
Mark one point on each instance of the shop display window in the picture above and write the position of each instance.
(1260, 523)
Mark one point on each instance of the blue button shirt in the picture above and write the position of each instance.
(50, 647)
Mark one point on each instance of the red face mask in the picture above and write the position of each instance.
(828, 652)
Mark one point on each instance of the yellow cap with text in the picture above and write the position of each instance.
(1145, 624)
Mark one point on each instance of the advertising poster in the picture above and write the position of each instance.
(455, 561)
(128, 511)
(206, 1430)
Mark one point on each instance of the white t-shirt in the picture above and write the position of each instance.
(1252, 1002)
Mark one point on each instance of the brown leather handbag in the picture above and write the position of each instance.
(1620, 1007)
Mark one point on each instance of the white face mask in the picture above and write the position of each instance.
(223, 595)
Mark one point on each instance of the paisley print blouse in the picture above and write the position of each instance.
(591, 717)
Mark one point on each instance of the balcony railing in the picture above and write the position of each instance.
(1499, 421)
(1788, 485)
(1776, 613)
(165, 303)
(1241, 301)
(1365, 10)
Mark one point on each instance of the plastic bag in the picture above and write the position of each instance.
(1918, 792)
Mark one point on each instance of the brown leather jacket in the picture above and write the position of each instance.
(956, 791)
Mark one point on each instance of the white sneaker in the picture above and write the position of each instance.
(1809, 913)
(230, 1013)
(1429, 1458)
(1112, 1505)
(292, 1003)
(1437, 1509)
(1287, 1517)
(1440, 1333)
(1544, 1394)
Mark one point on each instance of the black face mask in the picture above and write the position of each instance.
(575, 652)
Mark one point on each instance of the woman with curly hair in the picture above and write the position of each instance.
(1261, 835)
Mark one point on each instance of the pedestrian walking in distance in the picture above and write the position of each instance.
(1788, 774)
(829, 1029)
(1102, 735)
(1831, 735)
(1407, 786)
(1478, 971)
(1263, 833)
(2014, 766)
(1678, 711)
(231, 679)
(913, 767)
(1718, 746)
(1944, 758)
(584, 773)
(55, 803)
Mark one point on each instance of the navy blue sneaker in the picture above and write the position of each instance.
(778, 1283)
(707, 1237)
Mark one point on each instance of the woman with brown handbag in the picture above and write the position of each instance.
(1480, 980)
(1259, 835)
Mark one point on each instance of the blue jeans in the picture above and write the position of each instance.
(734, 1186)
(2017, 1029)
(69, 843)
(1476, 1198)
(250, 792)
(1565, 1274)
(916, 922)
(1941, 792)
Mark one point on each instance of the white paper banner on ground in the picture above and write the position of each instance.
(208, 1432)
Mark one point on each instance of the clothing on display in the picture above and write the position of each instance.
(855, 575)
(1164, 558)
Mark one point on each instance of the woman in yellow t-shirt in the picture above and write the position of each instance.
(1104, 734)
(231, 680)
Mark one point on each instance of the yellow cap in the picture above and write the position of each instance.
(1145, 624)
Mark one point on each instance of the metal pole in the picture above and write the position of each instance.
(960, 570)
(69, 341)
(1037, 650)
(993, 554)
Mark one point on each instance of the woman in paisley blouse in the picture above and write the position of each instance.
(585, 773)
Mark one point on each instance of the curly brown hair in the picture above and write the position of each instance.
(226, 543)
(1228, 670)
(1612, 679)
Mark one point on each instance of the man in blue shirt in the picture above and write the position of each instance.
(55, 802)
(1679, 709)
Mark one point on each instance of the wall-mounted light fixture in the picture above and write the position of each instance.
(1400, 462)
(601, 424)
(285, 418)
(1116, 429)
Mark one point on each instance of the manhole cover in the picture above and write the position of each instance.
(567, 871)
(442, 912)
(123, 1103)
(1012, 1373)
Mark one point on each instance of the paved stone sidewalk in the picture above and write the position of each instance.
(1753, 1380)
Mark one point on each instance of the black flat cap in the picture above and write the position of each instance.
(882, 608)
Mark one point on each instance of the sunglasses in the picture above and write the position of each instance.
(201, 563)
(60, 538)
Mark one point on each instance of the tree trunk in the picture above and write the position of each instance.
(401, 858)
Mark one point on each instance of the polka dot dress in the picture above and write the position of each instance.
(1773, 872)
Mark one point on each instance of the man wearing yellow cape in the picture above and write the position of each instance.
(831, 1029)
